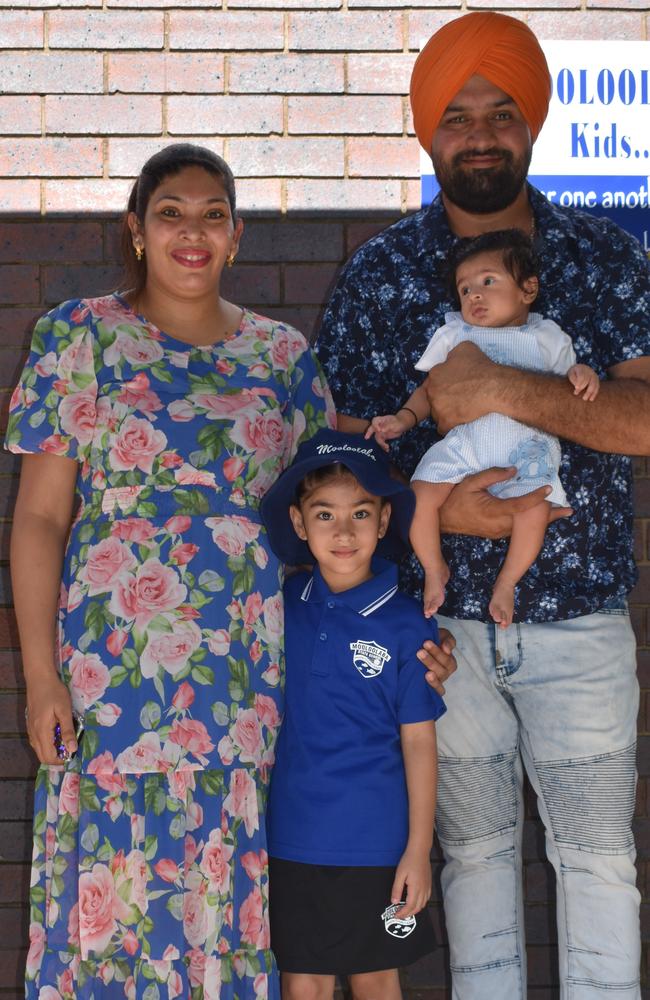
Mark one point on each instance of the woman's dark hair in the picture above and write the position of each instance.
(516, 249)
(166, 163)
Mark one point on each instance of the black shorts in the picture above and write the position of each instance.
(329, 920)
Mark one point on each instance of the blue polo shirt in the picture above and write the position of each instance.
(338, 792)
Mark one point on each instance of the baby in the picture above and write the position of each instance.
(495, 279)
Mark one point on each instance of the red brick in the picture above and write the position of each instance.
(641, 5)
(344, 115)
(259, 194)
(20, 115)
(379, 73)
(16, 759)
(47, 157)
(303, 318)
(413, 195)
(14, 883)
(51, 73)
(253, 284)
(126, 156)
(642, 497)
(166, 72)
(103, 115)
(15, 842)
(383, 158)
(51, 3)
(81, 197)
(232, 115)
(15, 330)
(292, 240)
(112, 30)
(286, 157)
(642, 590)
(288, 4)
(286, 74)
(594, 25)
(309, 283)
(20, 196)
(359, 233)
(8, 630)
(65, 282)
(69, 241)
(343, 195)
(226, 30)
(19, 284)
(21, 29)
(370, 29)
(423, 23)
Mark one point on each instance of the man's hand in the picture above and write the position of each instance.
(463, 388)
(470, 509)
(438, 661)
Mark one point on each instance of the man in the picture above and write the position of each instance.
(556, 692)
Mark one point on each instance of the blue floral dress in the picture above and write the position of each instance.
(150, 869)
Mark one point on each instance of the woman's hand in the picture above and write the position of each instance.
(48, 703)
(470, 509)
(438, 661)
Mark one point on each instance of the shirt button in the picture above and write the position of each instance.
(331, 604)
(323, 636)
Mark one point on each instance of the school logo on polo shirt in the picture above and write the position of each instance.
(369, 658)
(397, 926)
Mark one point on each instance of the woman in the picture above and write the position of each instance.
(159, 416)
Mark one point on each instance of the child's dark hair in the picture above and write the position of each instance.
(516, 249)
(166, 163)
(318, 477)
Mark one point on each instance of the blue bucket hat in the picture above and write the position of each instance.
(367, 462)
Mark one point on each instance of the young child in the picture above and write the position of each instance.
(352, 797)
(495, 280)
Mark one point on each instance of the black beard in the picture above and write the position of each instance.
(482, 192)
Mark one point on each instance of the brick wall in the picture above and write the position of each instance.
(306, 100)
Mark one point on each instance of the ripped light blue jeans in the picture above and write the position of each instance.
(560, 700)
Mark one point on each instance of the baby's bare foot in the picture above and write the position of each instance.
(434, 589)
(502, 604)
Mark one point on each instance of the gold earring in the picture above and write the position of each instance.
(139, 251)
(230, 260)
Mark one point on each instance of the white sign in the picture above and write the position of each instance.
(594, 149)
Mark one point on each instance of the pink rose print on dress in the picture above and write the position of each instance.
(274, 618)
(133, 529)
(267, 711)
(153, 590)
(145, 755)
(36, 949)
(77, 357)
(167, 870)
(136, 445)
(233, 533)
(69, 795)
(254, 863)
(106, 563)
(108, 714)
(222, 405)
(192, 736)
(89, 677)
(177, 524)
(78, 415)
(100, 908)
(241, 800)
(215, 863)
(138, 395)
(263, 433)
(246, 734)
(143, 350)
(170, 650)
(252, 924)
(195, 918)
(104, 769)
(187, 475)
(219, 642)
(233, 467)
(184, 697)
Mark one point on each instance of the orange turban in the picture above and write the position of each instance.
(500, 48)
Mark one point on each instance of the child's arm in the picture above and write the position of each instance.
(392, 425)
(584, 381)
(421, 766)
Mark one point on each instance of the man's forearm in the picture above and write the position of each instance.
(617, 421)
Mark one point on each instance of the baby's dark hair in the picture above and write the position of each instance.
(516, 249)
(318, 477)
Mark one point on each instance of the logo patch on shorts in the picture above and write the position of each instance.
(397, 927)
(369, 658)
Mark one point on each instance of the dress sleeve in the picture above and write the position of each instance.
(310, 402)
(53, 407)
(556, 347)
(416, 700)
(436, 350)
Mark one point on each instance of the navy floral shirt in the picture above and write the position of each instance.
(595, 283)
